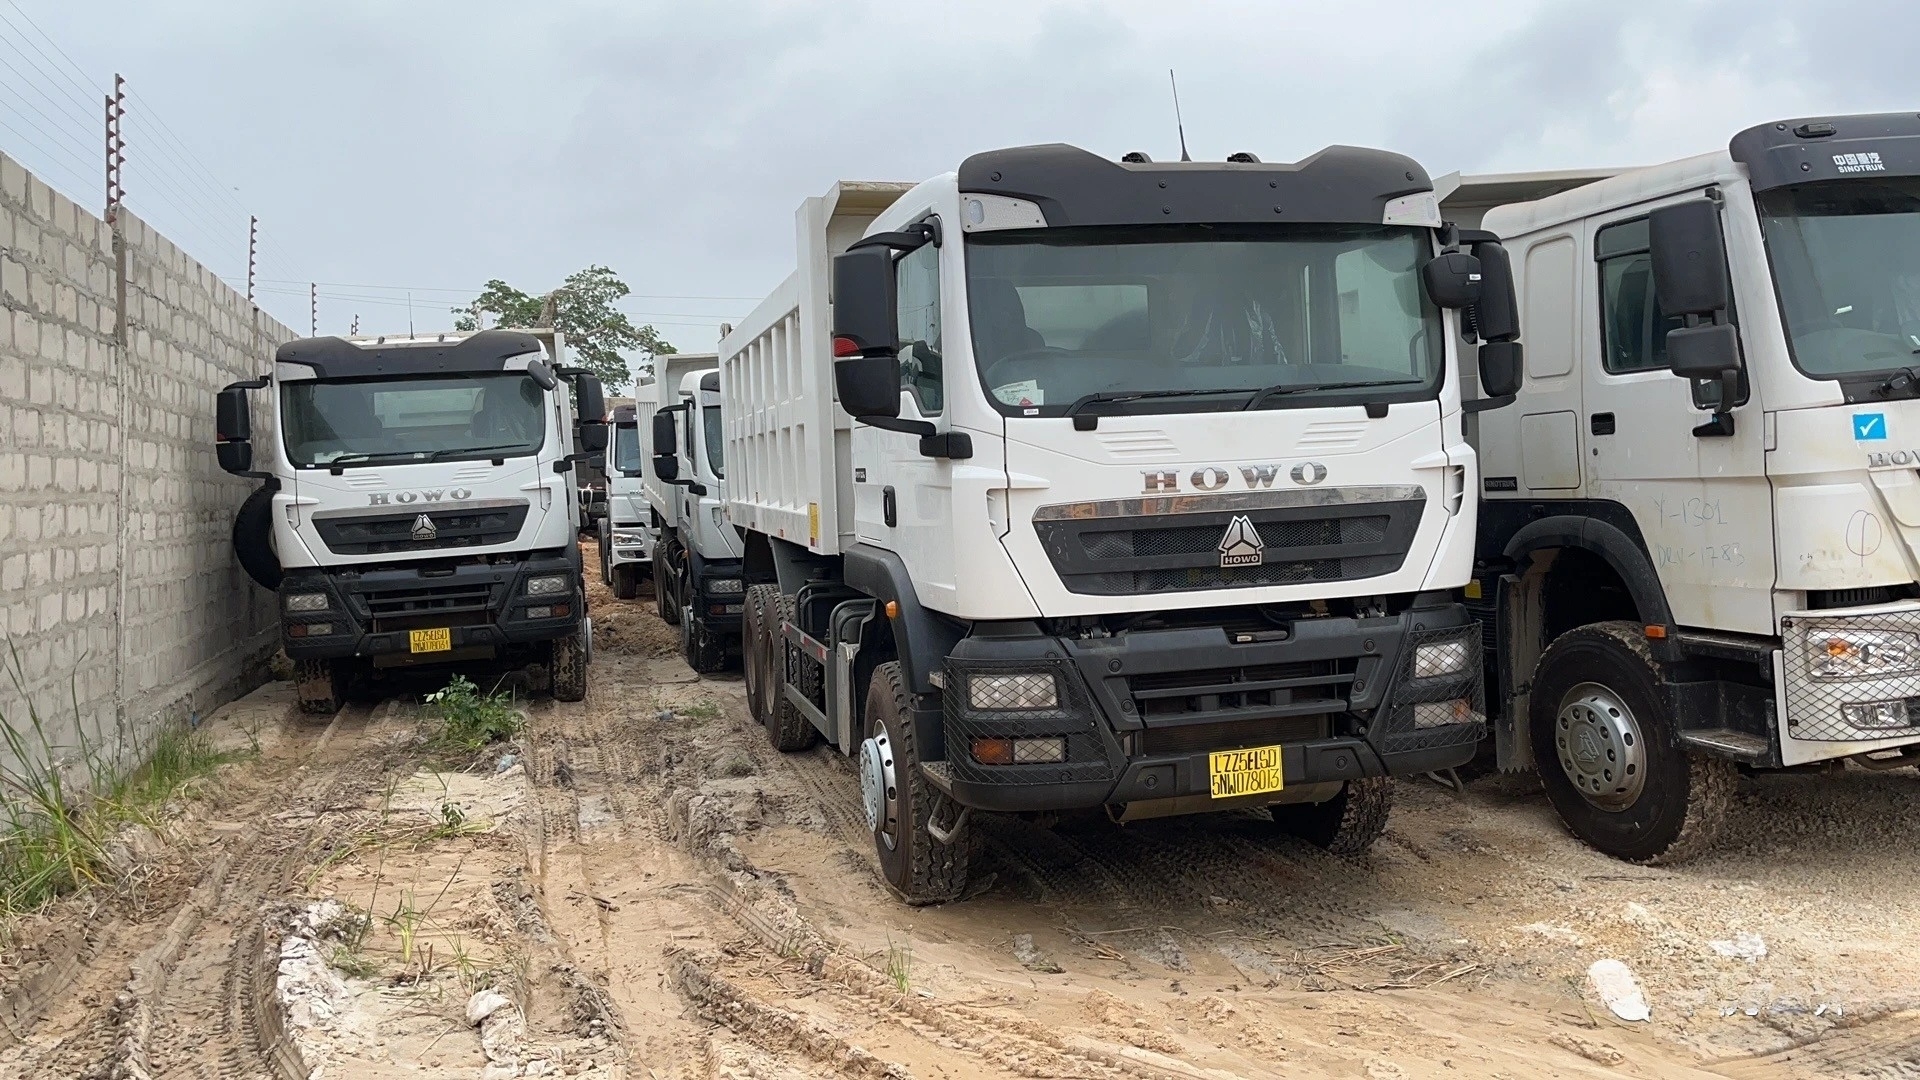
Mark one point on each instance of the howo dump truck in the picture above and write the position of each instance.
(417, 504)
(627, 533)
(1700, 532)
(1071, 484)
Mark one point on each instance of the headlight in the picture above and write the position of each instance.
(1435, 714)
(547, 586)
(1857, 654)
(725, 586)
(1035, 691)
(1441, 658)
(307, 601)
(629, 538)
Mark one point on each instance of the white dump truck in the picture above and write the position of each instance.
(1700, 534)
(1125, 485)
(627, 533)
(417, 504)
(696, 569)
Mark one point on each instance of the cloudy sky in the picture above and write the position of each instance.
(424, 147)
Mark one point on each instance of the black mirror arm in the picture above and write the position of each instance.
(894, 423)
(1481, 405)
(1720, 424)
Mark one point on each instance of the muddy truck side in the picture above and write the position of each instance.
(1700, 529)
(417, 504)
(1125, 485)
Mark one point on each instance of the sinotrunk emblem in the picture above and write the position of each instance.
(424, 528)
(1241, 546)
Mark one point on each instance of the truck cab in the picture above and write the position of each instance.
(417, 504)
(1698, 540)
(627, 533)
(697, 573)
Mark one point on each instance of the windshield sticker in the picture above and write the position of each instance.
(1024, 392)
(1869, 426)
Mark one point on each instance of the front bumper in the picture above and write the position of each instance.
(482, 606)
(720, 600)
(630, 545)
(1819, 725)
(1140, 712)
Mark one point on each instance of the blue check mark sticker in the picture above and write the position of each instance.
(1869, 426)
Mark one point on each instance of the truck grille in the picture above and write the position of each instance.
(1224, 697)
(432, 605)
(472, 525)
(1185, 543)
(1232, 735)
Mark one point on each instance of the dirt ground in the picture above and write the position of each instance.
(642, 887)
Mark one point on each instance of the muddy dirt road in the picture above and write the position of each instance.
(642, 887)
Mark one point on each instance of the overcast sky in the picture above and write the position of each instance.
(430, 146)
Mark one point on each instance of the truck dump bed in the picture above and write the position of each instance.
(788, 441)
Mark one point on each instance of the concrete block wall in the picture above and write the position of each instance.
(123, 606)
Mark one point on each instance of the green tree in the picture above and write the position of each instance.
(582, 310)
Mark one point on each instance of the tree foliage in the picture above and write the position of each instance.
(601, 336)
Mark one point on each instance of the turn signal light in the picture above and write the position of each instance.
(993, 751)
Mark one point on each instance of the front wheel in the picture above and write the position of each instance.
(1610, 754)
(899, 802)
(705, 651)
(568, 667)
(320, 685)
(1346, 824)
(666, 599)
(626, 581)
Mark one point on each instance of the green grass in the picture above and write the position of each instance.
(54, 839)
(471, 720)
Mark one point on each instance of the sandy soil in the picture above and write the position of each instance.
(642, 887)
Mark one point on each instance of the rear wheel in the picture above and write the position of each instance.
(320, 685)
(626, 581)
(1346, 824)
(1610, 755)
(568, 667)
(705, 651)
(787, 728)
(666, 591)
(899, 802)
(756, 648)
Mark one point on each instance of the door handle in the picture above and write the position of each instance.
(1602, 423)
(889, 507)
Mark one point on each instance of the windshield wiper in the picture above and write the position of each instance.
(452, 450)
(1260, 396)
(1084, 400)
(371, 455)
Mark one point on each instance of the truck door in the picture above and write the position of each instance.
(1703, 503)
(904, 503)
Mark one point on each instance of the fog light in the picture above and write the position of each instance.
(318, 629)
(307, 601)
(1034, 691)
(1433, 714)
(726, 586)
(1876, 714)
(561, 611)
(726, 609)
(539, 613)
(547, 586)
(1039, 751)
(1443, 658)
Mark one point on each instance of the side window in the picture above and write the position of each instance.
(1633, 329)
(917, 288)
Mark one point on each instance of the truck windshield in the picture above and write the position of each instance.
(1846, 260)
(445, 417)
(716, 440)
(626, 447)
(1205, 317)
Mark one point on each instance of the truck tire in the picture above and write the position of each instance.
(899, 801)
(756, 651)
(1610, 755)
(567, 668)
(704, 650)
(320, 685)
(253, 539)
(666, 593)
(605, 544)
(626, 581)
(787, 728)
(1347, 824)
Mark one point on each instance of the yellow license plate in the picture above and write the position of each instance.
(438, 639)
(1254, 771)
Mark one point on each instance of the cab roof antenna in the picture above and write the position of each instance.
(1178, 124)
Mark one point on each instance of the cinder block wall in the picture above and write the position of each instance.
(124, 607)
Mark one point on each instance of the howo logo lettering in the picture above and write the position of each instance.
(1217, 477)
(409, 497)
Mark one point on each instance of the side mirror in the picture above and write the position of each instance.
(1496, 314)
(233, 429)
(1452, 279)
(866, 334)
(593, 436)
(666, 467)
(666, 462)
(1689, 258)
(591, 399)
(1707, 351)
(1501, 366)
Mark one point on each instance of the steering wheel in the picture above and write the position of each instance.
(996, 378)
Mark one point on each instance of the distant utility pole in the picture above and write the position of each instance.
(355, 330)
(253, 251)
(116, 146)
(313, 308)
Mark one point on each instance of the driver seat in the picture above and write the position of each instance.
(1004, 331)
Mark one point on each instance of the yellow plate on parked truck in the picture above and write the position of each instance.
(438, 639)
(1254, 771)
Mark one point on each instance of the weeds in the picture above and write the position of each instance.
(900, 965)
(471, 720)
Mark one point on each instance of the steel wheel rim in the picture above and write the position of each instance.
(1601, 747)
(880, 789)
